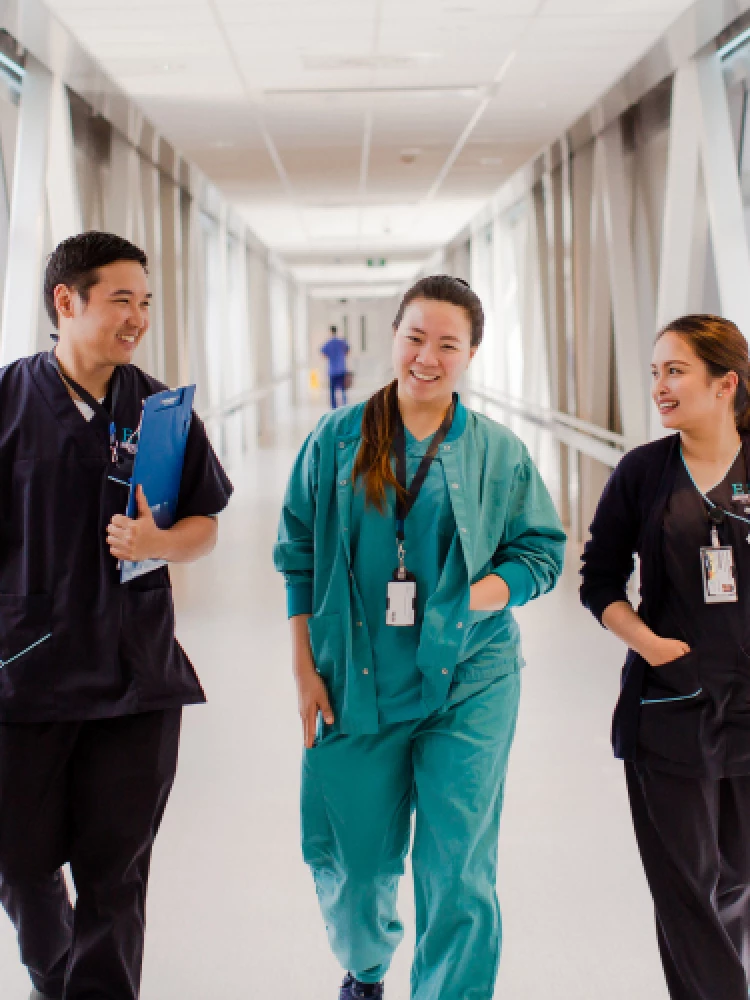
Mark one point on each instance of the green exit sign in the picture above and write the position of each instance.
(376, 262)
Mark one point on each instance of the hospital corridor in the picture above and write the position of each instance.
(363, 363)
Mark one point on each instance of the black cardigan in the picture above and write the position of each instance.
(629, 519)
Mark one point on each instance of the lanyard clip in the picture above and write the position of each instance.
(401, 561)
(113, 443)
(715, 537)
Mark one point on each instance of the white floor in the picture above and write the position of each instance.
(232, 911)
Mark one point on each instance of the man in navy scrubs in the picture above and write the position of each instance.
(92, 679)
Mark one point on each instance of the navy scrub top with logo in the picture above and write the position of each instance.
(695, 711)
(75, 643)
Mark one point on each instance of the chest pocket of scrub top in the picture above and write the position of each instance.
(671, 708)
(327, 643)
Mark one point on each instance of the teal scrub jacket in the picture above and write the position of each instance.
(507, 524)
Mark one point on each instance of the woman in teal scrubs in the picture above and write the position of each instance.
(410, 529)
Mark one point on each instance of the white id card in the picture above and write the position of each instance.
(719, 580)
(402, 603)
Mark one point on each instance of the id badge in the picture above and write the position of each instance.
(401, 607)
(719, 578)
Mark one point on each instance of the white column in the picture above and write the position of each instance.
(23, 287)
(196, 308)
(679, 204)
(631, 369)
(723, 193)
(62, 183)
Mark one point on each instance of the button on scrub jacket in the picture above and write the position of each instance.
(505, 521)
(75, 643)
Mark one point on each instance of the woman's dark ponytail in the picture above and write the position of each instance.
(373, 461)
(742, 406)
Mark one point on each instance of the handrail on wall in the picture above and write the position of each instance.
(243, 399)
(585, 437)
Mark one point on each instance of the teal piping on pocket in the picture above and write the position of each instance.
(122, 482)
(681, 697)
(4, 663)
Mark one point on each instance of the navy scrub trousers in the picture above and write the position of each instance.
(92, 793)
(337, 384)
(694, 838)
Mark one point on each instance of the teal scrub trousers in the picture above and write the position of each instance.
(358, 794)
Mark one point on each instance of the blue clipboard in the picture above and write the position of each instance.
(158, 464)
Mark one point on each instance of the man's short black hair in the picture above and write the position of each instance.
(76, 260)
(334, 330)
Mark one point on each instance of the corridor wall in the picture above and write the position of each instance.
(86, 158)
(637, 214)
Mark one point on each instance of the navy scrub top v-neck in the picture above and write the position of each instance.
(75, 643)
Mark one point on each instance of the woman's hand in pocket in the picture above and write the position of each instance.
(491, 594)
(312, 697)
(662, 651)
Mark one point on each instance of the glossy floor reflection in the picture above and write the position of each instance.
(232, 911)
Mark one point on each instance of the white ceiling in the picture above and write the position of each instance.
(337, 125)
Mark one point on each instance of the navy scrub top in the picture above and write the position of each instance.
(75, 643)
(695, 711)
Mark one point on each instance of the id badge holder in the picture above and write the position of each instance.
(718, 572)
(401, 605)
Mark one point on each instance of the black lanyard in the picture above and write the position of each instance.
(406, 500)
(96, 406)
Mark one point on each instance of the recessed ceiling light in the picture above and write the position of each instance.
(490, 161)
(222, 144)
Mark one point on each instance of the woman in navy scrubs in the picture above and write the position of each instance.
(92, 679)
(682, 723)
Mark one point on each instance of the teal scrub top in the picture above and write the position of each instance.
(430, 531)
(505, 524)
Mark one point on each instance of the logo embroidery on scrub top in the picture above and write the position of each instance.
(741, 495)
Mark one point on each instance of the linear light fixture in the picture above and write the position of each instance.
(467, 90)
(733, 45)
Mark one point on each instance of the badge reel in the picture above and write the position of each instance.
(401, 607)
(717, 566)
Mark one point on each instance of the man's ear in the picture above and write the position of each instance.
(63, 296)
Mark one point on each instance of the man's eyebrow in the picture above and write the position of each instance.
(674, 361)
(129, 291)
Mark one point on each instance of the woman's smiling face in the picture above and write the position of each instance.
(682, 387)
(431, 349)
